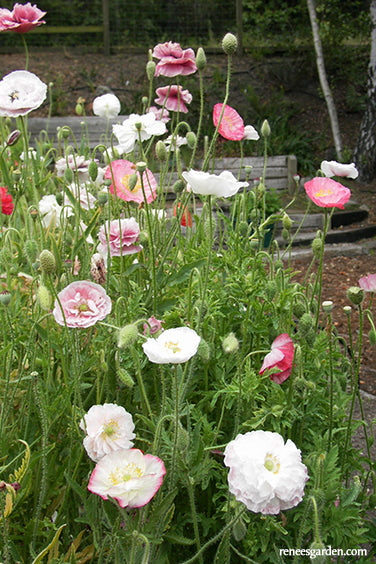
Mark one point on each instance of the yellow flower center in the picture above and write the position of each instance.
(272, 463)
(83, 307)
(172, 347)
(110, 428)
(125, 183)
(125, 473)
(324, 192)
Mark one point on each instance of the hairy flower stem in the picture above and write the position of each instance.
(215, 135)
(176, 429)
(208, 264)
(194, 514)
(151, 246)
(318, 281)
(44, 435)
(199, 120)
(216, 537)
(331, 381)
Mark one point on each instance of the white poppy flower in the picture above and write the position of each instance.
(223, 185)
(108, 427)
(266, 474)
(106, 106)
(172, 346)
(51, 212)
(332, 168)
(250, 134)
(20, 93)
(137, 127)
(176, 140)
(128, 476)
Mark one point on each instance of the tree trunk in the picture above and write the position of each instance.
(323, 79)
(365, 151)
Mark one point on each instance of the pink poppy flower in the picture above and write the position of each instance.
(231, 126)
(122, 236)
(173, 60)
(122, 170)
(281, 356)
(161, 114)
(128, 476)
(327, 193)
(173, 98)
(368, 283)
(81, 304)
(152, 326)
(23, 18)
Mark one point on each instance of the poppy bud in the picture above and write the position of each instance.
(5, 297)
(230, 344)
(141, 166)
(191, 139)
(203, 351)
(47, 262)
(200, 59)
(127, 336)
(102, 197)
(31, 250)
(265, 129)
(150, 70)
(68, 175)
(93, 170)
(178, 187)
(161, 151)
(44, 298)
(125, 377)
(327, 306)
(13, 137)
(229, 44)
(132, 181)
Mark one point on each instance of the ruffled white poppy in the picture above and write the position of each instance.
(250, 134)
(223, 185)
(172, 346)
(266, 474)
(332, 168)
(108, 427)
(106, 106)
(137, 127)
(20, 93)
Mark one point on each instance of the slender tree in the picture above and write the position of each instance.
(365, 151)
(323, 78)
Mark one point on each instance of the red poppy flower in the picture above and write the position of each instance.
(186, 219)
(231, 126)
(6, 201)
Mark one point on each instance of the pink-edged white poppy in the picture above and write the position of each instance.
(119, 237)
(280, 357)
(128, 476)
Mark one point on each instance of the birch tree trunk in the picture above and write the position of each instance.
(365, 151)
(323, 78)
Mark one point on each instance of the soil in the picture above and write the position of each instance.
(83, 74)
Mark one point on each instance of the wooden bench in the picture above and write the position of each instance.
(280, 169)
